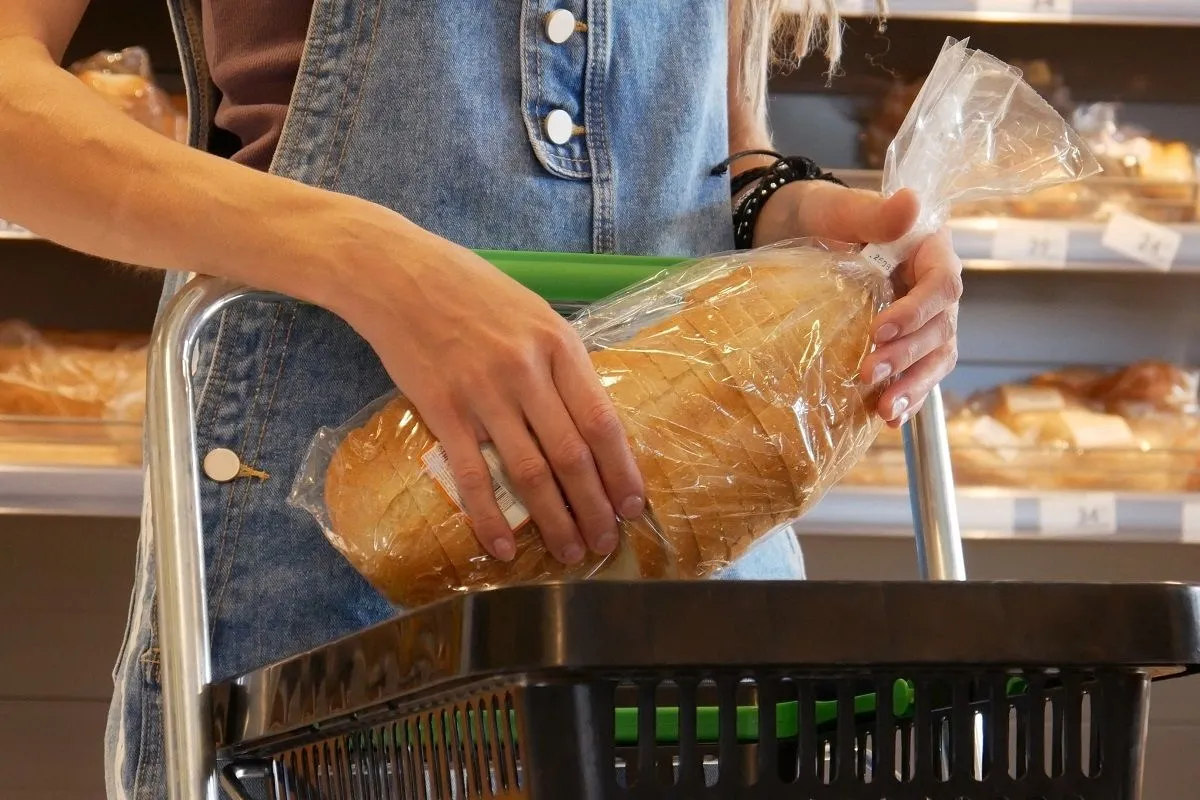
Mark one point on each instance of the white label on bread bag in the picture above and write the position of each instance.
(1032, 243)
(1032, 399)
(1054, 9)
(1142, 240)
(438, 467)
(881, 256)
(1085, 514)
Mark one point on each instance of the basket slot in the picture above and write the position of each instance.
(691, 768)
(962, 735)
(768, 743)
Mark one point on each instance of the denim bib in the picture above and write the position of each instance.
(472, 121)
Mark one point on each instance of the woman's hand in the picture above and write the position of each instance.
(916, 337)
(486, 360)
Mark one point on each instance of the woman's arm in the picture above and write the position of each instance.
(916, 337)
(75, 170)
(79, 172)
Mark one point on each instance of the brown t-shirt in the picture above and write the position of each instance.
(253, 50)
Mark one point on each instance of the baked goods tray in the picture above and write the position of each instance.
(61, 442)
(1044, 468)
(1092, 199)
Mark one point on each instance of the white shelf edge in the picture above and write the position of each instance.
(71, 491)
(973, 242)
(1082, 12)
(845, 511)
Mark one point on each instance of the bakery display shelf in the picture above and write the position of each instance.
(1017, 513)
(995, 243)
(1014, 244)
(71, 490)
(1091, 12)
(984, 513)
(70, 467)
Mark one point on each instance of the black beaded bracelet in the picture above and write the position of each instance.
(752, 188)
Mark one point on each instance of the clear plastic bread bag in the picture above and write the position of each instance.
(737, 376)
(71, 376)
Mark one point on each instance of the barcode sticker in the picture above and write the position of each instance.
(438, 466)
(1055, 9)
(1142, 240)
(1032, 243)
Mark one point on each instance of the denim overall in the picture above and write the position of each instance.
(434, 108)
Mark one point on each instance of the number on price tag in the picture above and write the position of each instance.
(1032, 244)
(1191, 521)
(987, 514)
(1142, 240)
(1091, 514)
(1060, 9)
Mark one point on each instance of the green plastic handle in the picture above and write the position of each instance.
(576, 277)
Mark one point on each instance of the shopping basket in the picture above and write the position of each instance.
(938, 690)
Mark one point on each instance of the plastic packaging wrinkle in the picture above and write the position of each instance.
(976, 131)
(737, 377)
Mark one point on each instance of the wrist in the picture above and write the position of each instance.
(345, 252)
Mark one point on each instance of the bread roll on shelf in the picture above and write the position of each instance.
(742, 403)
(69, 398)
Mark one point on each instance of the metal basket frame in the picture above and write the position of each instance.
(174, 492)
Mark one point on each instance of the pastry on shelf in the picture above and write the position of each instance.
(70, 398)
(126, 80)
(1155, 386)
(883, 464)
(986, 452)
(98, 376)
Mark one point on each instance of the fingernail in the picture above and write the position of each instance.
(632, 507)
(606, 544)
(504, 549)
(881, 372)
(899, 406)
(887, 333)
(572, 554)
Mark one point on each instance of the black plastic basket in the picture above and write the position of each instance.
(722, 691)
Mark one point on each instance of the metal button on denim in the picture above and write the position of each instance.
(560, 25)
(559, 126)
(222, 465)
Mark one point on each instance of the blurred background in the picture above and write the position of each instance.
(1073, 414)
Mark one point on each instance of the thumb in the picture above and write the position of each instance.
(858, 216)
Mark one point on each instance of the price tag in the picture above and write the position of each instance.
(1142, 240)
(987, 514)
(1056, 9)
(1025, 243)
(1191, 521)
(1086, 514)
